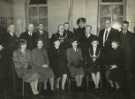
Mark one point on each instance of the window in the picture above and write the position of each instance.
(37, 12)
(114, 10)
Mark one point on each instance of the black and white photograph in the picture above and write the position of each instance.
(67, 49)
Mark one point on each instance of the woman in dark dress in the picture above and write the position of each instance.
(41, 64)
(89, 37)
(115, 75)
(79, 32)
(59, 63)
(93, 62)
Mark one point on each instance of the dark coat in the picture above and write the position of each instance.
(69, 37)
(44, 37)
(114, 35)
(58, 61)
(114, 57)
(10, 44)
(79, 34)
(127, 48)
(31, 40)
(3, 68)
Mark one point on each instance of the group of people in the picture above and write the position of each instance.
(35, 57)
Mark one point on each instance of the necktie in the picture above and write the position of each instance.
(106, 35)
(124, 40)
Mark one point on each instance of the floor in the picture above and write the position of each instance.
(84, 93)
(89, 94)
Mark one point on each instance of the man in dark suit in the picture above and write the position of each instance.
(67, 30)
(30, 36)
(43, 35)
(127, 48)
(107, 36)
(3, 67)
(9, 44)
(68, 33)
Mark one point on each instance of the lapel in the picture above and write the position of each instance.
(91, 50)
(75, 52)
(110, 33)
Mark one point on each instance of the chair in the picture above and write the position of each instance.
(70, 80)
(88, 79)
(23, 86)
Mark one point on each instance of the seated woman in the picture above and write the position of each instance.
(115, 74)
(23, 66)
(93, 62)
(58, 63)
(41, 64)
(75, 63)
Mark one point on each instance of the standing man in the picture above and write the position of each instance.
(127, 48)
(107, 36)
(68, 33)
(30, 36)
(67, 30)
(42, 34)
(3, 67)
(10, 44)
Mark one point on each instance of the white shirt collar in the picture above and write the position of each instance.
(30, 33)
(12, 34)
(109, 29)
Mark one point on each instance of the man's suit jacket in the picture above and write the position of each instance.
(10, 44)
(114, 35)
(127, 49)
(44, 37)
(31, 40)
(74, 58)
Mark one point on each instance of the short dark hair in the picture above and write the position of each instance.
(125, 22)
(22, 42)
(40, 39)
(81, 20)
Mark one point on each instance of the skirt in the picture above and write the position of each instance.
(27, 75)
(45, 74)
(76, 71)
(93, 69)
